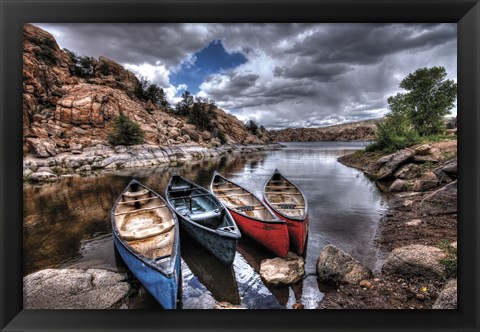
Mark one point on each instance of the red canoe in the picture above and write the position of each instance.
(289, 203)
(252, 216)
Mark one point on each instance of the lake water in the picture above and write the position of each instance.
(67, 223)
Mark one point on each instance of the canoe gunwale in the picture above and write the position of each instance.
(265, 221)
(153, 263)
(217, 231)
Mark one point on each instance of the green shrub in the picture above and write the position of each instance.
(125, 131)
(104, 69)
(146, 91)
(221, 136)
(450, 261)
(394, 134)
(83, 66)
(252, 127)
(202, 113)
(46, 53)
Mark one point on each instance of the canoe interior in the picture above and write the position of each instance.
(197, 204)
(285, 197)
(145, 222)
(240, 200)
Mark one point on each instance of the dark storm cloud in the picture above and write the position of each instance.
(367, 44)
(308, 69)
(295, 75)
(131, 43)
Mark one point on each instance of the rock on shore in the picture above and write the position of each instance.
(415, 261)
(335, 266)
(74, 289)
(448, 296)
(282, 271)
(106, 157)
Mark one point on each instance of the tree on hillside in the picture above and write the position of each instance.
(429, 99)
(185, 105)
(252, 126)
(125, 131)
(83, 66)
(202, 113)
(147, 91)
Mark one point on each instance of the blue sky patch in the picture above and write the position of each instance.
(209, 60)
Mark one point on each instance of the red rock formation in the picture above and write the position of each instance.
(63, 112)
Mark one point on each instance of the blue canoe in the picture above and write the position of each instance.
(204, 217)
(146, 234)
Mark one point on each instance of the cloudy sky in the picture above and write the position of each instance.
(281, 75)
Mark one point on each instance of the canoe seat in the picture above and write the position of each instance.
(141, 233)
(207, 218)
(245, 208)
(136, 193)
(286, 206)
(180, 187)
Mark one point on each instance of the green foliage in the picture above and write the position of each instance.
(221, 136)
(125, 131)
(394, 134)
(46, 53)
(146, 91)
(429, 99)
(83, 66)
(103, 69)
(202, 113)
(450, 261)
(184, 106)
(417, 115)
(252, 127)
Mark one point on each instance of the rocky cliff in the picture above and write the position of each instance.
(354, 131)
(63, 112)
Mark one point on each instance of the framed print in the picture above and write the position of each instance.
(171, 160)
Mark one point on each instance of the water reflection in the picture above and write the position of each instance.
(67, 223)
(218, 278)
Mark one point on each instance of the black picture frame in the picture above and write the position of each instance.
(466, 13)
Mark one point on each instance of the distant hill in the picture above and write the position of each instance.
(353, 131)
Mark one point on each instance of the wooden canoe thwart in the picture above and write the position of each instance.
(204, 217)
(146, 235)
(290, 206)
(252, 216)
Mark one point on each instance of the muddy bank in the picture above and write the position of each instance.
(420, 223)
(101, 158)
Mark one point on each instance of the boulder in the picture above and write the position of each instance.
(422, 150)
(442, 201)
(282, 271)
(388, 164)
(400, 185)
(447, 172)
(187, 131)
(448, 296)
(335, 266)
(74, 289)
(42, 176)
(407, 172)
(415, 261)
(41, 148)
(425, 185)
